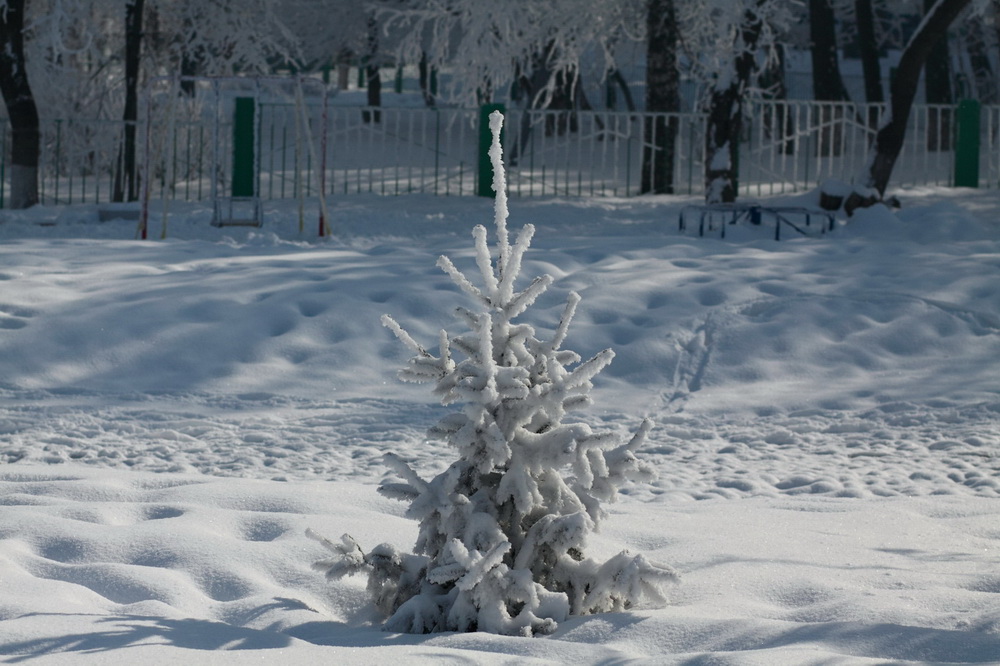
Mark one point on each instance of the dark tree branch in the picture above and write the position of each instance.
(889, 139)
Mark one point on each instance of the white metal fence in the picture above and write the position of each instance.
(791, 146)
(989, 170)
(787, 146)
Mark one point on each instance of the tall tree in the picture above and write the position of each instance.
(126, 184)
(21, 109)
(937, 90)
(725, 42)
(725, 112)
(889, 139)
(864, 14)
(498, 43)
(828, 85)
(662, 96)
(373, 74)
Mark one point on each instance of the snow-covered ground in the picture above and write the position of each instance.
(174, 414)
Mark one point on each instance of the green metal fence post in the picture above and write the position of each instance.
(3, 166)
(243, 148)
(484, 186)
(967, 144)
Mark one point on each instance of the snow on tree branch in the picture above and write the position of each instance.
(496, 43)
(503, 530)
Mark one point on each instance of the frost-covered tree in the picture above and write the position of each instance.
(741, 32)
(90, 60)
(502, 537)
(486, 46)
(328, 30)
(79, 53)
(220, 38)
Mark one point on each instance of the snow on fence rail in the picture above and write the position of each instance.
(787, 146)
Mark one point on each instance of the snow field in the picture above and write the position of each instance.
(833, 400)
(172, 566)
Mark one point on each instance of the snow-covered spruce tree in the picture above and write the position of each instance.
(503, 529)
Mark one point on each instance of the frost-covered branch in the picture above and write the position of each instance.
(402, 335)
(348, 557)
(486, 46)
(445, 264)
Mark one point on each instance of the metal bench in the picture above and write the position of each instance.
(754, 213)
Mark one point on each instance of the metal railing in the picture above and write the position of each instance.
(791, 146)
(787, 146)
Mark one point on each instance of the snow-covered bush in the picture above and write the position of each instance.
(503, 528)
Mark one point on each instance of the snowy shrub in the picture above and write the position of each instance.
(503, 529)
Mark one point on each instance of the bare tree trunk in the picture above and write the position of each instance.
(25, 134)
(865, 17)
(662, 96)
(725, 114)
(828, 84)
(937, 87)
(889, 139)
(126, 184)
(373, 74)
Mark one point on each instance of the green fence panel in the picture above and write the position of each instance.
(243, 147)
(967, 144)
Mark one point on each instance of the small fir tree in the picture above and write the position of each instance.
(503, 528)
